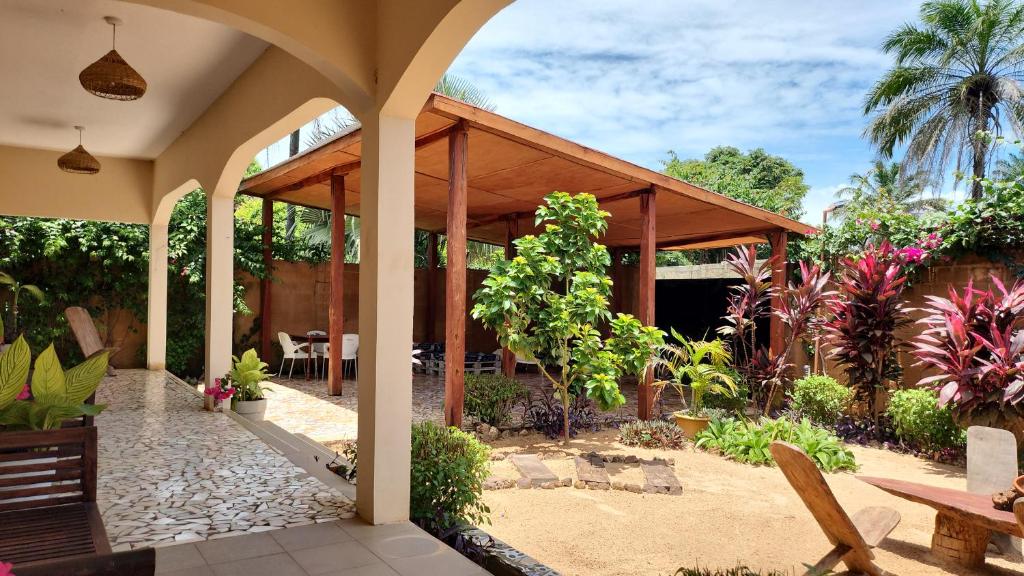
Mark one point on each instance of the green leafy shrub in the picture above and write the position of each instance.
(918, 420)
(737, 571)
(246, 375)
(492, 397)
(652, 434)
(448, 471)
(749, 442)
(735, 404)
(820, 398)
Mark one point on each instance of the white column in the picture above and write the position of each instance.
(385, 318)
(156, 318)
(220, 233)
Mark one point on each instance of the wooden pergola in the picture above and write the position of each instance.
(481, 176)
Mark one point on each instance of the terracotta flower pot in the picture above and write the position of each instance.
(691, 425)
(1018, 484)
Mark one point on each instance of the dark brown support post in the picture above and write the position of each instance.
(430, 334)
(455, 285)
(776, 329)
(648, 248)
(337, 303)
(616, 254)
(265, 283)
(508, 357)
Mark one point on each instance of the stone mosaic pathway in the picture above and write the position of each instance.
(170, 472)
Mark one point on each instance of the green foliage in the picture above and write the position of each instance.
(492, 397)
(16, 289)
(652, 434)
(884, 189)
(57, 395)
(820, 398)
(737, 571)
(549, 302)
(728, 402)
(448, 470)
(918, 420)
(757, 178)
(246, 375)
(749, 442)
(701, 365)
(947, 85)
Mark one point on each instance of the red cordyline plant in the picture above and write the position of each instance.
(975, 340)
(750, 301)
(865, 316)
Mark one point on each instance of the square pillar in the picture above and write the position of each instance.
(266, 283)
(776, 328)
(508, 358)
(156, 302)
(455, 276)
(648, 275)
(220, 278)
(385, 317)
(337, 303)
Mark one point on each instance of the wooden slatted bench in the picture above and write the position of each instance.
(48, 497)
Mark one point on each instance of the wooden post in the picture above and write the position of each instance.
(337, 303)
(508, 357)
(648, 249)
(265, 283)
(776, 329)
(455, 285)
(616, 273)
(430, 334)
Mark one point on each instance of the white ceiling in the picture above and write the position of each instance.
(44, 44)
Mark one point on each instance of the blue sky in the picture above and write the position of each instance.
(636, 79)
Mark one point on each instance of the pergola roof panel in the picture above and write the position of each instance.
(510, 168)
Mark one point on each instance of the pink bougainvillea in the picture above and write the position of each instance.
(6, 569)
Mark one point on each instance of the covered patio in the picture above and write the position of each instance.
(480, 176)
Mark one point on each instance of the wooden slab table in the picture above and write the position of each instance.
(310, 339)
(964, 521)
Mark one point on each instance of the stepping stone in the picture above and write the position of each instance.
(532, 469)
(660, 478)
(591, 470)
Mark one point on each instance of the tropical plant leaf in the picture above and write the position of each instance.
(35, 292)
(82, 380)
(48, 385)
(14, 366)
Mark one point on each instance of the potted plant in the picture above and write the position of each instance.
(16, 288)
(703, 365)
(246, 375)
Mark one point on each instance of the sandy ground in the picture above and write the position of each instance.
(729, 513)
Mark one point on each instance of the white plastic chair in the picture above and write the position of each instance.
(319, 354)
(291, 351)
(350, 352)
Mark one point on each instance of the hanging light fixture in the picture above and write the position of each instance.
(110, 76)
(78, 161)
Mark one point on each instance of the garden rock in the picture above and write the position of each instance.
(532, 469)
(492, 434)
(566, 482)
(635, 488)
(618, 485)
(580, 484)
(524, 483)
(499, 483)
(550, 485)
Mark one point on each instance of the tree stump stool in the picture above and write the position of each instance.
(959, 542)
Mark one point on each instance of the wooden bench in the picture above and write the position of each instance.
(48, 507)
(84, 329)
(964, 521)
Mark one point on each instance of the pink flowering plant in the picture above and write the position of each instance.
(221, 390)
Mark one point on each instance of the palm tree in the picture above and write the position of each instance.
(882, 187)
(703, 365)
(957, 73)
(317, 221)
(1010, 168)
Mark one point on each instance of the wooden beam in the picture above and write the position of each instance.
(455, 293)
(616, 273)
(777, 330)
(648, 276)
(508, 357)
(337, 302)
(430, 334)
(266, 282)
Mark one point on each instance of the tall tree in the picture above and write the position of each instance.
(757, 178)
(1011, 167)
(957, 73)
(882, 187)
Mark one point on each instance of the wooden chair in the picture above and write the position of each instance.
(852, 538)
(48, 498)
(84, 329)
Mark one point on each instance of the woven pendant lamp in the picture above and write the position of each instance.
(78, 161)
(110, 76)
